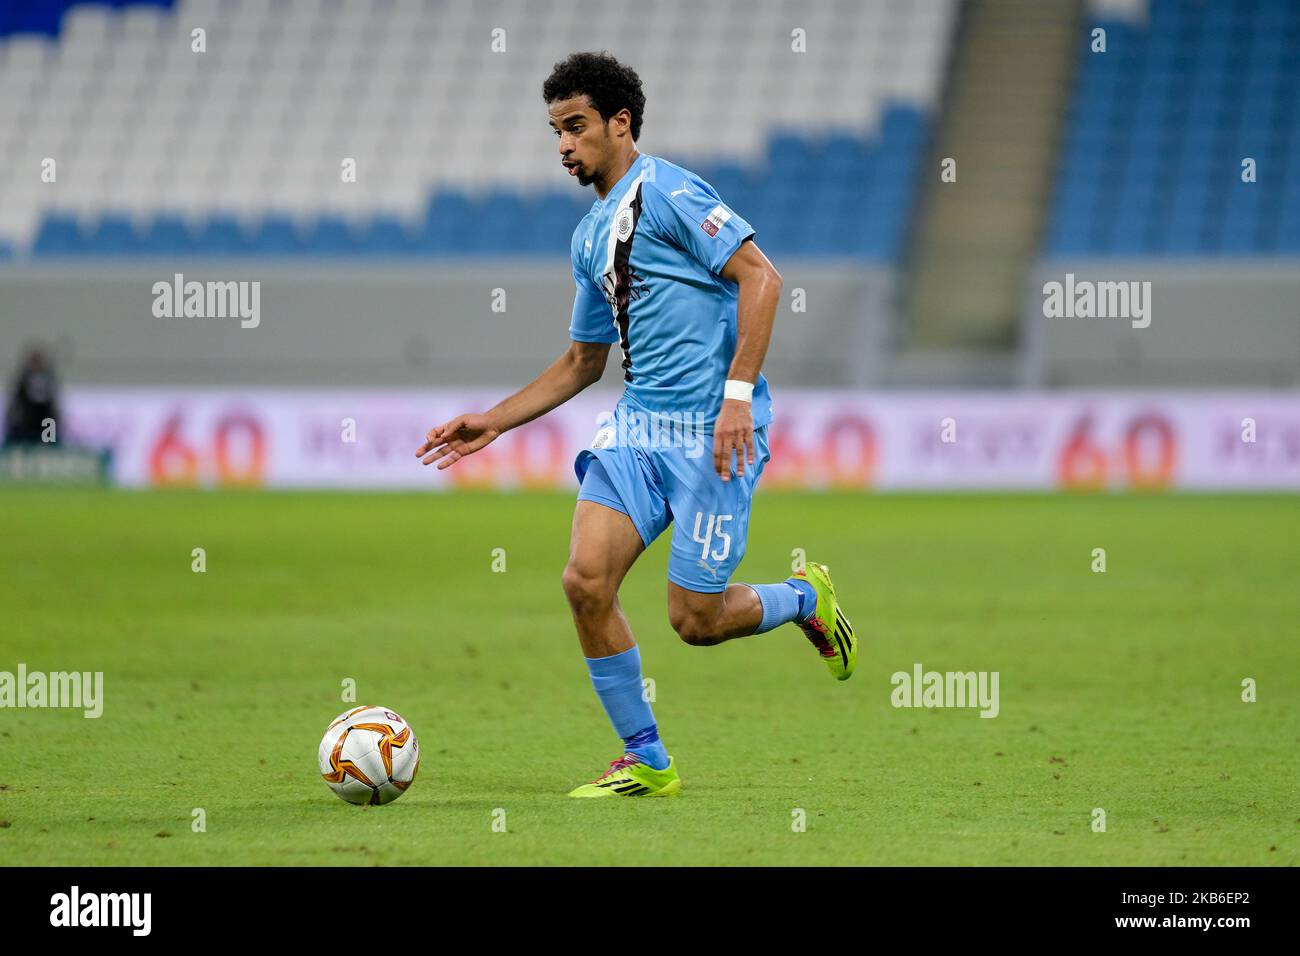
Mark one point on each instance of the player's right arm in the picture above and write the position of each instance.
(591, 332)
(581, 365)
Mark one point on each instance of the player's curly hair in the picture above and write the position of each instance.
(611, 85)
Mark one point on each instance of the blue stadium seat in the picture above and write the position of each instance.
(59, 236)
(277, 235)
(450, 219)
(387, 236)
(113, 235)
(731, 182)
(329, 236)
(1159, 127)
(551, 221)
(499, 220)
(222, 235)
(167, 235)
(46, 16)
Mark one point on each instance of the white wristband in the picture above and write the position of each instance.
(740, 391)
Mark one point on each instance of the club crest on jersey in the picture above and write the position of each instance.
(717, 219)
(623, 224)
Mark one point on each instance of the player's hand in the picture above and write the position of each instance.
(463, 435)
(733, 432)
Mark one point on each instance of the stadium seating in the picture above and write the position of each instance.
(237, 150)
(1162, 121)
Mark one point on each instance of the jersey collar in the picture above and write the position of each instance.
(621, 185)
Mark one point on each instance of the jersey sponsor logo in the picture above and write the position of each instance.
(634, 286)
(717, 218)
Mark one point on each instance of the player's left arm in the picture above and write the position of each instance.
(760, 292)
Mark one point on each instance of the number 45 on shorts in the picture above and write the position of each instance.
(711, 530)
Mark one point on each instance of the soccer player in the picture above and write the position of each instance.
(667, 270)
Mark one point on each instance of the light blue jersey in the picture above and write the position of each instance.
(647, 260)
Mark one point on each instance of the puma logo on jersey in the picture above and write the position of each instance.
(684, 189)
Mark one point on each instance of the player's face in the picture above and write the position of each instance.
(585, 146)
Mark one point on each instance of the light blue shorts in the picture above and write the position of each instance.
(658, 475)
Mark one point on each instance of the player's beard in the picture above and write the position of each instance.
(582, 177)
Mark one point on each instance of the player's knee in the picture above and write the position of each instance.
(587, 592)
(692, 627)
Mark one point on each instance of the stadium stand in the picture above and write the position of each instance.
(1161, 123)
(818, 150)
(1124, 164)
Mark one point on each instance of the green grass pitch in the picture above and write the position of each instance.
(1120, 691)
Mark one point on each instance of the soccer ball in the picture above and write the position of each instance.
(369, 755)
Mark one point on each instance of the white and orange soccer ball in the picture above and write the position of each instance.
(369, 755)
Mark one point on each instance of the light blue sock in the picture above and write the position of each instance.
(617, 681)
(807, 597)
(791, 600)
